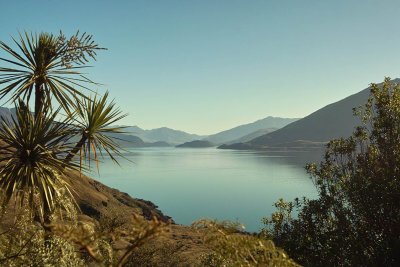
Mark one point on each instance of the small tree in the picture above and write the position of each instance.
(37, 149)
(355, 221)
(36, 152)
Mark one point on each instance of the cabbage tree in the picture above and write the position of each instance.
(37, 148)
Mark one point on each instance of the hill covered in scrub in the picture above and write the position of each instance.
(97, 200)
(196, 144)
(132, 141)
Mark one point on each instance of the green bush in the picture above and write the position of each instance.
(355, 220)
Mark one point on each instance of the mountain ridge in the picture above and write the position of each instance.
(330, 122)
(164, 134)
(241, 131)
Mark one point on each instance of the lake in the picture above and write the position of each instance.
(189, 184)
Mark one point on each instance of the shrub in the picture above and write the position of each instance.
(355, 220)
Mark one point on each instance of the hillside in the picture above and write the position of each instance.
(196, 144)
(252, 135)
(179, 246)
(238, 132)
(332, 121)
(127, 140)
(96, 199)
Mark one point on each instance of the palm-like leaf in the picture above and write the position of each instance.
(47, 65)
(93, 122)
(32, 151)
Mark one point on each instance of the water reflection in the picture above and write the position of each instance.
(189, 184)
(297, 158)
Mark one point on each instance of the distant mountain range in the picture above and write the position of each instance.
(247, 134)
(173, 137)
(332, 121)
(249, 131)
(164, 134)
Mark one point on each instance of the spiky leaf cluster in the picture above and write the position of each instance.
(36, 152)
(93, 121)
(46, 64)
(31, 151)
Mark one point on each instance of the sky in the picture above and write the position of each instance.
(207, 66)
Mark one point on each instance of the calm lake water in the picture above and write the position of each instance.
(189, 184)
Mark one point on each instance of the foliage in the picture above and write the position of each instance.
(159, 254)
(38, 149)
(24, 243)
(233, 247)
(31, 150)
(114, 246)
(48, 65)
(355, 221)
(72, 242)
(93, 122)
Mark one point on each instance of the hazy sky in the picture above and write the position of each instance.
(205, 66)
